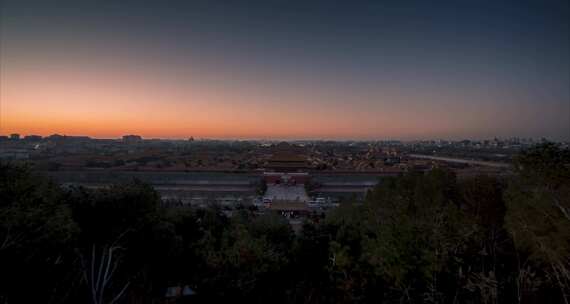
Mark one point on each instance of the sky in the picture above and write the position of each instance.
(286, 69)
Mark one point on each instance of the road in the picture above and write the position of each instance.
(462, 161)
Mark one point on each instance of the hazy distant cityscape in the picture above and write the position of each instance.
(230, 173)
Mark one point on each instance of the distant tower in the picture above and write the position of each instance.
(129, 139)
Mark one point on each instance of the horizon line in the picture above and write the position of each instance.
(244, 138)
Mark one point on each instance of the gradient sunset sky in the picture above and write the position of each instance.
(286, 69)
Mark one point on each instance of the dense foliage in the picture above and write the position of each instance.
(419, 238)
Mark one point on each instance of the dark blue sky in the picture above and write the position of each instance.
(425, 68)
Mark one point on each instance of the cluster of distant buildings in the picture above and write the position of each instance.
(133, 153)
(300, 178)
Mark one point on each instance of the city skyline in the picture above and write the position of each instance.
(35, 137)
(286, 70)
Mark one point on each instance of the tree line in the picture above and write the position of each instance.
(418, 238)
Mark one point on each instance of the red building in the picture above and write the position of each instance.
(286, 158)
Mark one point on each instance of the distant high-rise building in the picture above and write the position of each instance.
(55, 137)
(15, 136)
(32, 138)
(132, 138)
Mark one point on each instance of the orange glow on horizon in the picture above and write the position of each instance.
(103, 101)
